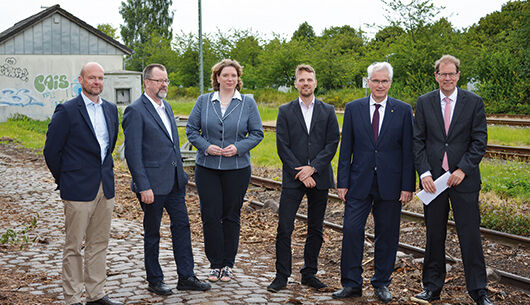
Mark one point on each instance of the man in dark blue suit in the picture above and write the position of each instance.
(375, 172)
(78, 151)
(158, 179)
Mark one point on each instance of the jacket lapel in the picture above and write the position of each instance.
(172, 123)
(108, 119)
(84, 113)
(436, 109)
(387, 119)
(365, 118)
(317, 110)
(154, 114)
(295, 107)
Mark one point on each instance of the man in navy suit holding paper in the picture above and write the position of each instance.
(78, 151)
(450, 134)
(158, 179)
(375, 173)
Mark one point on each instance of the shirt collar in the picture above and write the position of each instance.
(154, 103)
(452, 96)
(215, 96)
(89, 101)
(383, 103)
(303, 104)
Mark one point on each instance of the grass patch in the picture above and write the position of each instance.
(506, 178)
(508, 135)
(25, 131)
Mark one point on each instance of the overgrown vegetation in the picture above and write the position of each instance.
(494, 54)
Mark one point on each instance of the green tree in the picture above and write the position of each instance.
(304, 32)
(109, 30)
(141, 19)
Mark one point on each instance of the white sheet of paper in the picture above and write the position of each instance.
(441, 185)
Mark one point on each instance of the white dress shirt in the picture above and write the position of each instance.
(97, 118)
(307, 112)
(161, 110)
(452, 97)
(381, 111)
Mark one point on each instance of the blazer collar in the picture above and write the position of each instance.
(84, 113)
(365, 118)
(237, 100)
(295, 108)
(151, 109)
(459, 107)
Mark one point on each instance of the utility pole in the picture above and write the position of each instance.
(201, 74)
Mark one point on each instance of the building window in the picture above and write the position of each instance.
(123, 96)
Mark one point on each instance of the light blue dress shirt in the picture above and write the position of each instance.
(97, 118)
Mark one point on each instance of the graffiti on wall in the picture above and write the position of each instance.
(9, 69)
(18, 97)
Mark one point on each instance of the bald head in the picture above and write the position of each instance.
(91, 80)
(91, 66)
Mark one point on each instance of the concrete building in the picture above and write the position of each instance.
(40, 60)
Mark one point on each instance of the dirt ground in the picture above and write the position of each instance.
(258, 229)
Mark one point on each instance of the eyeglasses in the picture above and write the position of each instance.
(160, 81)
(377, 81)
(444, 75)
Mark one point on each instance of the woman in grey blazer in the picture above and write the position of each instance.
(224, 126)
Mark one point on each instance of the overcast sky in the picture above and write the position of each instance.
(263, 16)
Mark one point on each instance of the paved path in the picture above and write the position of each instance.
(31, 189)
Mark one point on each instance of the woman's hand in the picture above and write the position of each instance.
(229, 151)
(214, 150)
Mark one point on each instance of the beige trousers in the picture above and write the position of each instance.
(88, 221)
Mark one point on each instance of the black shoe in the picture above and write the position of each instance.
(383, 294)
(159, 288)
(192, 283)
(426, 295)
(278, 283)
(104, 301)
(484, 300)
(76, 304)
(347, 292)
(312, 281)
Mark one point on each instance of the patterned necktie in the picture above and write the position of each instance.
(375, 122)
(447, 122)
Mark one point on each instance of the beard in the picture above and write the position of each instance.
(161, 93)
(94, 91)
(306, 93)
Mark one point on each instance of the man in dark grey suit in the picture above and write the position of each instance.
(307, 135)
(158, 179)
(450, 134)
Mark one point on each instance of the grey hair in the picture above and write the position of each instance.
(380, 66)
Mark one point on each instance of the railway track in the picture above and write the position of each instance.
(492, 151)
(503, 237)
(507, 278)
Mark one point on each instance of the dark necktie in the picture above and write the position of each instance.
(375, 122)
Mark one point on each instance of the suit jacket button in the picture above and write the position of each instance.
(376, 151)
(375, 168)
(446, 144)
(174, 163)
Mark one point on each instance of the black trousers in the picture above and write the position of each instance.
(467, 219)
(221, 193)
(289, 202)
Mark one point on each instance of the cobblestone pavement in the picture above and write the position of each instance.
(32, 190)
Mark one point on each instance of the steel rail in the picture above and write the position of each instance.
(417, 217)
(505, 277)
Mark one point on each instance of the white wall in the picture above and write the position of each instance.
(34, 84)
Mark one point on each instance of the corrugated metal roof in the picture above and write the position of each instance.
(28, 22)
